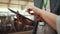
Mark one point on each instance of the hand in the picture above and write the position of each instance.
(35, 12)
(23, 21)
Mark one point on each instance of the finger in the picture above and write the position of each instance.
(18, 17)
(29, 11)
(32, 12)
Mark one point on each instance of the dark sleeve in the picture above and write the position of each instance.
(56, 8)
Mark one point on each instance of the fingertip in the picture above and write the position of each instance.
(31, 12)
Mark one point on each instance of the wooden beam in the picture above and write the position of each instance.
(27, 0)
(12, 3)
(9, 3)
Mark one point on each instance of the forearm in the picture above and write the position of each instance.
(48, 17)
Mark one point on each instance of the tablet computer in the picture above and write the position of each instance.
(34, 21)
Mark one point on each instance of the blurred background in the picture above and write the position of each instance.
(8, 22)
(13, 4)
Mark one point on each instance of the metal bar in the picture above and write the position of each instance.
(38, 4)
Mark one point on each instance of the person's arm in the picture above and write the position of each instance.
(47, 16)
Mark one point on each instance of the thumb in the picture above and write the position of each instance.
(17, 16)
